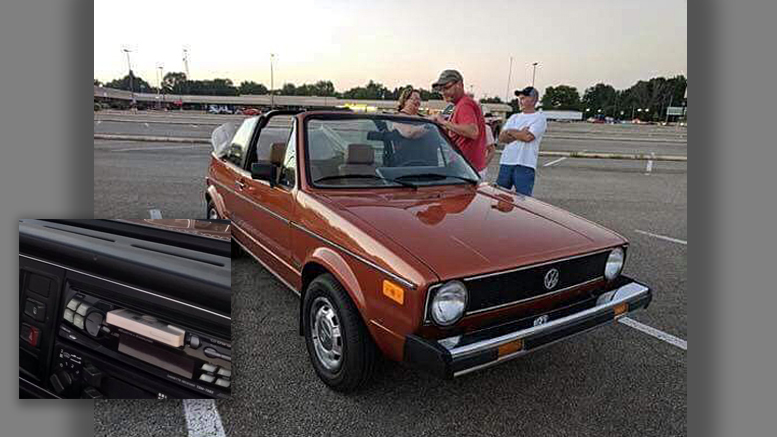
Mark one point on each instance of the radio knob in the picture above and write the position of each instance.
(93, 323)
(61, 381)
(194, 342)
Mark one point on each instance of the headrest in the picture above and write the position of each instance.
(277, 152)
(360, 154)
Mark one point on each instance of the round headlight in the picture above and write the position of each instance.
(449, 303)
(614, 264)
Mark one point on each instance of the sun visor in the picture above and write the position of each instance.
(221, 138)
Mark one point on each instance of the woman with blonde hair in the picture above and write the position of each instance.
(409, 103)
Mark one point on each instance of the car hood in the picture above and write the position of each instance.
(459, 231)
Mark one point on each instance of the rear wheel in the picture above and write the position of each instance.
(339, 345)
(213, 214)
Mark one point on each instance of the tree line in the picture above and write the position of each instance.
(177, 83)
(646, 100)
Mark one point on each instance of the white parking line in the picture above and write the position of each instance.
(661, 237)
(202, 418)
(555, 161)
(561, 159)
(155, 213)
(661, 335)
(649, 167)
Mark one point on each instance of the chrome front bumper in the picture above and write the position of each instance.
(461, 354)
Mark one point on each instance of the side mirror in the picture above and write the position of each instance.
(264, 172)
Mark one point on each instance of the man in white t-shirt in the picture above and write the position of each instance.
(522, 133)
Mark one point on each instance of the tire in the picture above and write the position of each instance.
(326, 304)
(213, 214)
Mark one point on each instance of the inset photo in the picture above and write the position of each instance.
(125, 309)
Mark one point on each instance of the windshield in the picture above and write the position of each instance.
(382, 152)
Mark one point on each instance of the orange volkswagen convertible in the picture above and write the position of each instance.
(395, 247)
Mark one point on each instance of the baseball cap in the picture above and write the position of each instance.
(529, 91)
(447, 76)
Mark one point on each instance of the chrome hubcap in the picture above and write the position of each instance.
(325, 331)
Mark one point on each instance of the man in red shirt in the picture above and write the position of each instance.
(466, 127)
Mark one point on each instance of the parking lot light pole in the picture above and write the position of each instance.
(534, 73)
(129, 67)
(667, 109)
(509, 73)
(272, 96)
(161, 78)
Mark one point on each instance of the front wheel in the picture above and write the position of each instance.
(339, 345)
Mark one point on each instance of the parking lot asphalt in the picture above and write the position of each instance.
(612, 381)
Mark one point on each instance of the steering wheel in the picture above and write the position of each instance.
(412, 163)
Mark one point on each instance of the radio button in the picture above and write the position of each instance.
(78, 320)
(69, 315)
(92, 375)
(83, 308)
(225, 373)
(30, 334)
(194, 342)
(91, 393)
(207, 378)
(209, 367)
(223, 382)
(35, 309)
(73, 304)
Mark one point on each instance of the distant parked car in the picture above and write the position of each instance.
(248, 111)
(219, 109)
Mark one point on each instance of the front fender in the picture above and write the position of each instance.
(339, 268)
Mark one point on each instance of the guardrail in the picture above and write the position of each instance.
(604, 155)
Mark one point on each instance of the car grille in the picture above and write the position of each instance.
(501, 289)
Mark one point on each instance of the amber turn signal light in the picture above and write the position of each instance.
(508, 348)
(393, 292)
(621, 309)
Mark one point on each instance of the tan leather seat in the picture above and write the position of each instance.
(359, 159)
(277, 152)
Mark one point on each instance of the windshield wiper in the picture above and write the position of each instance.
(437, 175)
(365, 176)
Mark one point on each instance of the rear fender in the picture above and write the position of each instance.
(218, 201)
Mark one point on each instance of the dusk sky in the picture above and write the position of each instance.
(398, 42)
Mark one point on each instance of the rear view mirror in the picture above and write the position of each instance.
(264, 172)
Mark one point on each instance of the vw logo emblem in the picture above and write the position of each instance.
(551, 278)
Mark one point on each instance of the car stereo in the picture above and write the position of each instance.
(105, 319)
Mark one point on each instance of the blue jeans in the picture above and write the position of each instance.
(518, 176)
